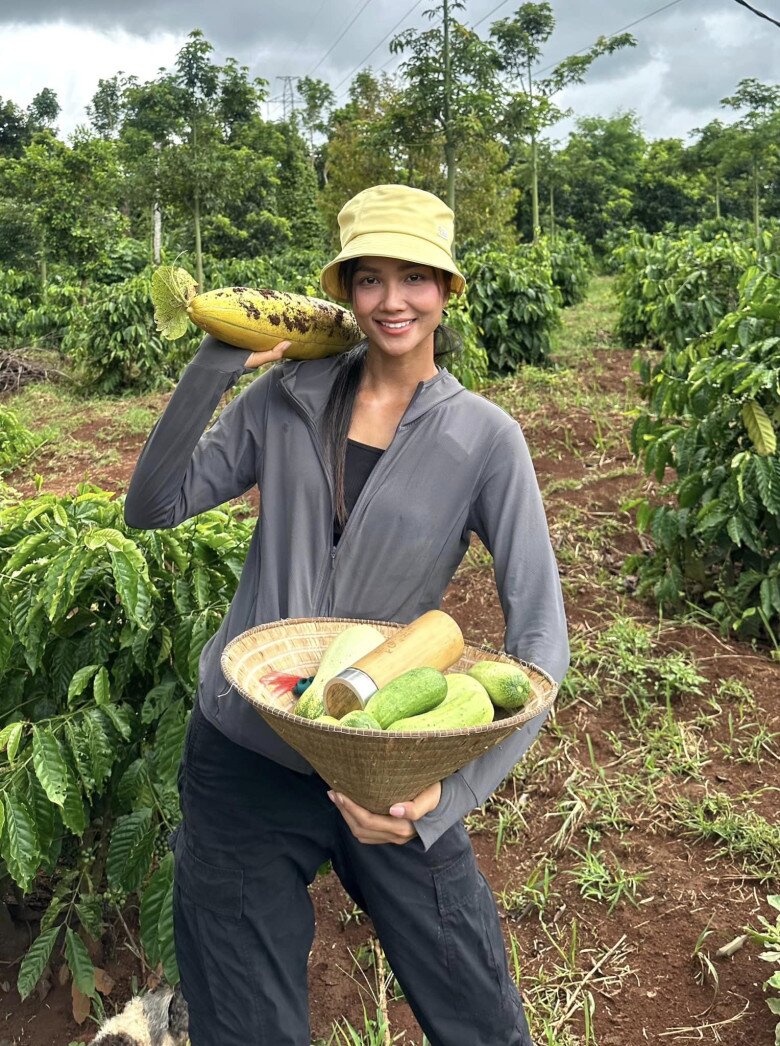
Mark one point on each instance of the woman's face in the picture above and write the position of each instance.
(397, 304)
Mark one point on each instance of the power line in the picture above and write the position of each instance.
(485, 17)
(759, 13)
(360, 63)
(312, 23)
(622, 29)
(341, 37)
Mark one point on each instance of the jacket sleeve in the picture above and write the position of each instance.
(181, 471)
(509, 517)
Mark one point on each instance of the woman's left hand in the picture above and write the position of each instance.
(398, 827)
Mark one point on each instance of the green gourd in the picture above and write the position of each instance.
(348, 647)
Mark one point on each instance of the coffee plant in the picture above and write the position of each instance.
(571, 264)
(101, 630)
(17, 442)
(672, 289)
(712, 413)
(113, 342)
(513, 303)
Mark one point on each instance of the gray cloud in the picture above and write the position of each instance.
(687, 57)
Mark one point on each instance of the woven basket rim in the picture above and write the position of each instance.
(517, 720)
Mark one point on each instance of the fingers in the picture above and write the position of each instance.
(258, 359)
(372, 828)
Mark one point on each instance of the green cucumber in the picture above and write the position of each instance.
(508, 685)
(359, 719)
(467, 704)
(418, 690)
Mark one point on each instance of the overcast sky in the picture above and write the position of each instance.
(688, 55)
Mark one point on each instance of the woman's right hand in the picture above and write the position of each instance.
(257, 359)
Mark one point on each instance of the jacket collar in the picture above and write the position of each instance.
(309, 383)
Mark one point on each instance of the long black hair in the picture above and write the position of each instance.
(337, 416)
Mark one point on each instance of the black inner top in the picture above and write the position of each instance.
(359, 462)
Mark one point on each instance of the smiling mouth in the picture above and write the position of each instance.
(395, 325)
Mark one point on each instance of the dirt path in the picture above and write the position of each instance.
(603, 848)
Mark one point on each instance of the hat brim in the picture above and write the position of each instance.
(390, 245)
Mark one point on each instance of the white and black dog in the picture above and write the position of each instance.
(158, 1018)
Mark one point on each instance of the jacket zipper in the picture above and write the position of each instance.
(375, 478)
(323, 578)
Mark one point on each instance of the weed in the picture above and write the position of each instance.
(602, 879)
(744, 837)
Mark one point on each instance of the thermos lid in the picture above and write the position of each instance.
(348, 692)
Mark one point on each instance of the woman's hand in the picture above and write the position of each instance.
(257, 359)
(398, 827)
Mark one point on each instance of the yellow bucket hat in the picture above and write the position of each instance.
(394, 221)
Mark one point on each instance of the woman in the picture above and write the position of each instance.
(374, 468)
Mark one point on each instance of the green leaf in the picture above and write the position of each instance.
(19, 844)
(44, 813)
(172, 290)
(151, 904)
(157, 700)
(759, 427)
(90, 912)
(165, 934)
(59, 584)
(130, 850)
(169, 741)
(14, 740)
(36, 960)
(101, 688)
(130, 571)
(49, 763)
(79, 963)
(73, 813)
(80, 681)
(121, 718)
(102, 750)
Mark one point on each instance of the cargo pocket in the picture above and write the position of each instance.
(471, 930)
(218, 889)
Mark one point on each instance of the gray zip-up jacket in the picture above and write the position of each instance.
(457, 463)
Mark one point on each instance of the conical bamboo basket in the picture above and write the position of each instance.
(374, 768)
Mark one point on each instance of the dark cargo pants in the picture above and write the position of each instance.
(253, 836)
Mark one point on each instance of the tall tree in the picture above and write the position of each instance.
(43, 110)
(598, 172)
(450, 86)
(757, 143)
(72, 193)
(318, 100)
(529, 106)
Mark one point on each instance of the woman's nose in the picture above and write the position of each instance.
(392, 297)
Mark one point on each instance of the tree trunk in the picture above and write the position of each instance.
(156, 233)
(449, 144)
(534, 191)
(536, 230)
(198, 250)
(756, 207)
(552, 215)
(717, 195)
(44, 275)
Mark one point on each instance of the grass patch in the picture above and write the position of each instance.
(742, 836)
